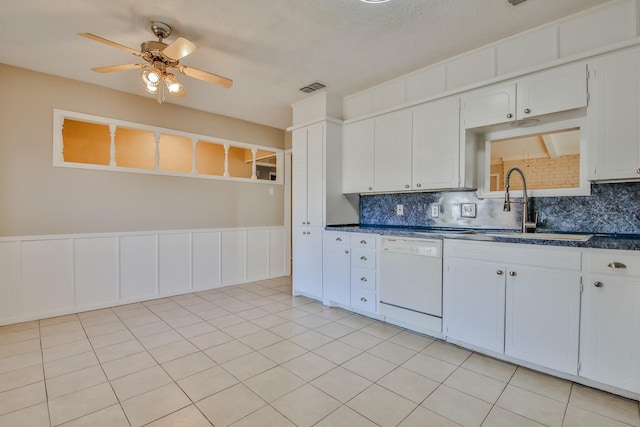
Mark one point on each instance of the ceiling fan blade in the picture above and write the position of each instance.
(123, 67)
(205, 76)
(110, 43)
(180, 48)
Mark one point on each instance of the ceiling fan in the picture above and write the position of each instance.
(159, 58)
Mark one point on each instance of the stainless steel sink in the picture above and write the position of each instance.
(536, 236)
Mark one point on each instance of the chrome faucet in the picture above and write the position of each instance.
(525, 201)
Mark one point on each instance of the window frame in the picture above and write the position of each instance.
(59, 117)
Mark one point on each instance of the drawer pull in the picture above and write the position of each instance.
(363, 279)
(363, 242)
(363, 258)
(598, 284)
(616, 264)
(346, 251)
(499, 272)
(338, 239)
(527, 110)
(363, 299)
(513, 274)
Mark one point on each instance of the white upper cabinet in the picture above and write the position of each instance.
(410, 149)
(436, 145)
(392, 158)
(496, 104)
(614, 117)
(357, 157)
(307, 168)
(560, 89)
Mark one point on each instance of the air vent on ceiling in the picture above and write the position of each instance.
(515, 2)
(312, 87)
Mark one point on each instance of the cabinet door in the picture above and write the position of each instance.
(552, 91)
(474, 295)
(299, 177)
(611, 331)
(307, 261)
(616, 108)
(493, 105)
(336, 275)
(315, 175)
(357, 157)
(543, 317)
(436, 145)
(392, 159)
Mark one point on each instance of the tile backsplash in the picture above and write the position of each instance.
(611, 208)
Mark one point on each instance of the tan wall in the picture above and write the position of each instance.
(558, 172)
(36, 198)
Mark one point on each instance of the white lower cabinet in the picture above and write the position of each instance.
(610, 342)
(542, 317)
(307, 268)
(514, 299)
(474, 295)
(350, 270)
(336, 274)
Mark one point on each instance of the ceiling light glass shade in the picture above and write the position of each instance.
(173, 85)
(151, 76)
(151, 88)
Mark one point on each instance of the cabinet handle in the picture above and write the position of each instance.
(418, 185)
(363, 242)
(370, 188)
(338, 239)
(598, 284)
(527, 111)
(509, 116)
(407, 186)
(513, 274)
(363, 258)
(363, 299)
(499, 272)
(638, 171)
(304, 233)
(363, 279)
(616, 264)
(346, 251)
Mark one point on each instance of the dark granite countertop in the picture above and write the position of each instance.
(629, 242)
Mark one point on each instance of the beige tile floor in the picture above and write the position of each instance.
(253, 355)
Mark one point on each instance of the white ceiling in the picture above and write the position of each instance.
(270, 48)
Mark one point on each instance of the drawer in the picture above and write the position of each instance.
(337, 237)
(363, 277)
(364, 299)
(367, 241)
(363, 258)
(620, 263)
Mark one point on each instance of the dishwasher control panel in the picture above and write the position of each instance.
(431, 248)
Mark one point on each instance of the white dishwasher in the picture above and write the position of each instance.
(411, 283)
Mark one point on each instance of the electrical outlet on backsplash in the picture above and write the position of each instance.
(611, 208)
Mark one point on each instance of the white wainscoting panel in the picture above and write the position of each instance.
(9, 279)
(257, 246)
(277, 266)
(175, 263)
(138, 267)
(96, 271)
(47, 277)
(206, 260)
(44, 276)
(234, 262)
